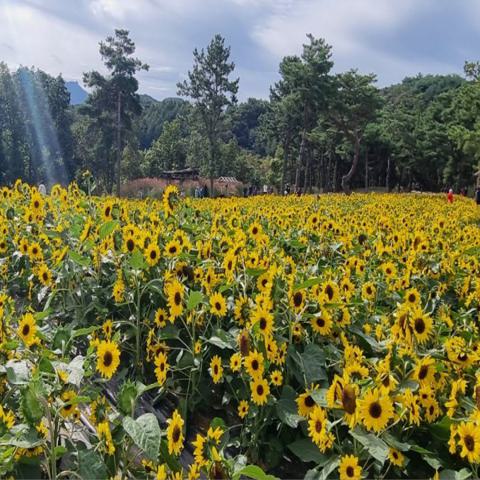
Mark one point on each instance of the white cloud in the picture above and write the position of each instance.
(339, 22)
(33, 37)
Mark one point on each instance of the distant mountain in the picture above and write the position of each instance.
(77, 93)
(147, 100)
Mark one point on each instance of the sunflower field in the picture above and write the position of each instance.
(267, 337)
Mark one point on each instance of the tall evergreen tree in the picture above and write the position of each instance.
(211, 90)
(114, 97)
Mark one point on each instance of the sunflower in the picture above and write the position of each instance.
(69, 408)
(412, 297)
(276, 378)
(36, 252)
(424, 372)
(216, 369)
(172, 248)
(108, 358)
(396, 457)
(129, 244)
(107, 328)
(297, 300)
(322, 322)
(421, 326)
(27, 329)
(254, 364)
(306, 403)
(218, 305)
(317, 429)
(329, 292)
(264, 319)
(242, 409)
(349, 469)
(175, 434)
(260, 390)
(161, 367)
(152, 254)
(240, 311)
(369, 291)
(469, 441)
(175, 293)
(236, 362)
(7, 420)
(375, 410)
(170, 195)
(160, 318)
(44, 275)
(104, 435)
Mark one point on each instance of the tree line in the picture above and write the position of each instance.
(317, 131)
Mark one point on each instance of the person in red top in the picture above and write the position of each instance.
(450, 196)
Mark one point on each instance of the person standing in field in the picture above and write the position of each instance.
(450, 196)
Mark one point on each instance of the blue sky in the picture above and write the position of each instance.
(392, 38)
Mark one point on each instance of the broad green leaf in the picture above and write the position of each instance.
(313, 359)
(307, 451)
(194, 299)
(107, 228)
(330, 465)
(79, 259)
(90, 465)
(462, 474)
(75, 370)
(377, 448)
(137, 260)
(32, 407)
(308, 283)
(127, 397)
(222, 339)
(253, 471)
(287, 409)
(18, 373)
(145, 432)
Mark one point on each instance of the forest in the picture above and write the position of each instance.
(319, 131)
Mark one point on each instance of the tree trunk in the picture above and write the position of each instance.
(387, 177)
(286, 146)
(334, 178)
(346, 178)
(301, 153)
(366, 169)
(119, 140)
(212, 166)
(307, 171)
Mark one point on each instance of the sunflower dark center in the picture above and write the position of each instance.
(423, 372)
(176, 434)
(419, 325)
(26, 330)
(329, 292)
(218, 306)
(153, 254)
(320, 322)
(177, 298)
(318, 426)
(107, 359)
(172, 249)
(260, 390)
(309, 402)
(350, 471)
(411, 298)
(375, 410)
(255, 365)
(297, 299)
(469, 442)
(263, 324)
(130, 245)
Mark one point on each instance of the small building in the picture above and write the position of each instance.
(228, 185)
